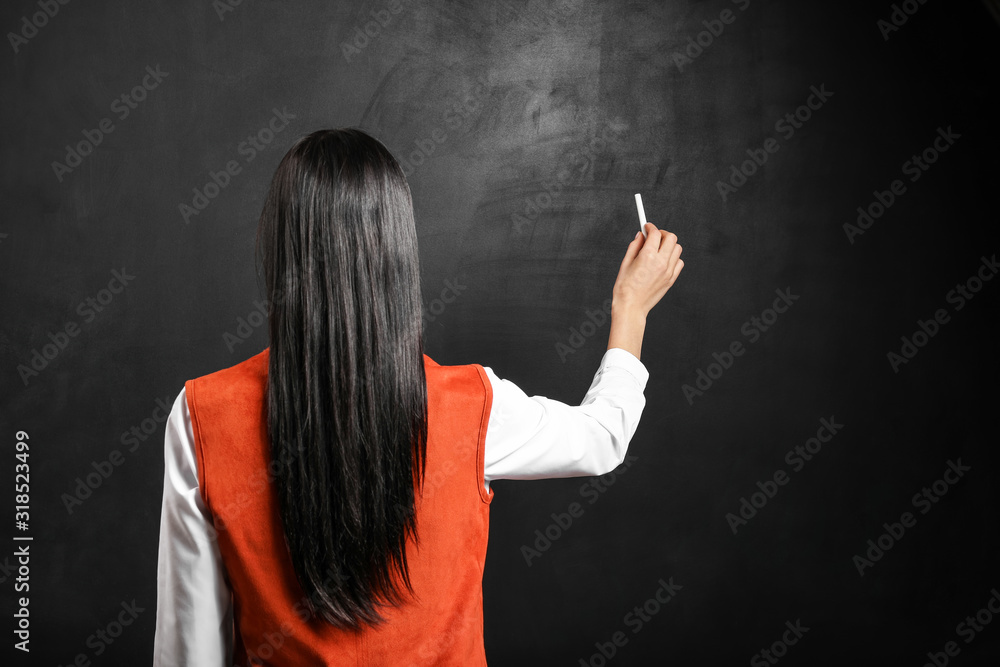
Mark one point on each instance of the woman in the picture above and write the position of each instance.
(326, 501)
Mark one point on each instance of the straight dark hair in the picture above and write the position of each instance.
(346, 390)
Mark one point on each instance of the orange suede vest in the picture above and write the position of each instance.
(442, 624)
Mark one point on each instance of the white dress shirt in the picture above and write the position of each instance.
(527, 438)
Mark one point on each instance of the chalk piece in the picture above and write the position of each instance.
(642, 213)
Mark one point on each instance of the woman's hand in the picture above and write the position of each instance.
(649, 269)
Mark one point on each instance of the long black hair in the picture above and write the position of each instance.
(346, 390)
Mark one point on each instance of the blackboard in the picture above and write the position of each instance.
(813, 478)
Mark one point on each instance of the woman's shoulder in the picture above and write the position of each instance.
(252, 370)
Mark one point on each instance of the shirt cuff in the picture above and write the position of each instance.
(616, 357)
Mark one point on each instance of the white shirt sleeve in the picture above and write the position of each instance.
(536, 437)
(194, 621)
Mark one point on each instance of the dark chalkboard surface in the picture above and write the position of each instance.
(813, 478)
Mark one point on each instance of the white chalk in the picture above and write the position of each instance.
(642, 213)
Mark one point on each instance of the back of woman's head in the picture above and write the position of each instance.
(346, 393)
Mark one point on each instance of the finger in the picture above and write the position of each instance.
(672, 259)
(669, 239)
(653, 239)
(677, 269)
(633, 249)
(675, 254)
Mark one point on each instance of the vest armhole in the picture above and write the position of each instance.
(481, 445)
(189, 388)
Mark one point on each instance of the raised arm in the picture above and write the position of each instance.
(534, 437)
